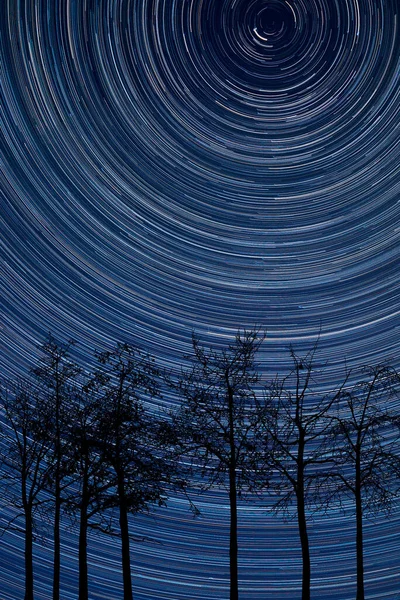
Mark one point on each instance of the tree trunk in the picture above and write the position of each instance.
(305, 550)
(302, 523)
(233, 544)
(359, 532)
(28, 554)
(233, 541)
(57, 499)
(125, 545)
(83, 527)
(56, 534)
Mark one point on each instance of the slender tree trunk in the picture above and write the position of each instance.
(28, 554)
(56, 535)
(57, 499)
(83, 592)
(233, 544)
(233, 540)
(83, 528)
(359, 532)
(305, 549)
(302, 523)
(83, 568)
(125, 545)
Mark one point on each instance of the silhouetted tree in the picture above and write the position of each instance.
(295, 422)
(26, 461)
(366, 450)
(56, 373)
(131, 443)
(218, 400)
(89, 497)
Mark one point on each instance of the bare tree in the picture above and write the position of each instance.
(295, 422)
(90, 494)
(27, 462)
(218, 399)
(130, 442)
(56, 374)
(366, 451)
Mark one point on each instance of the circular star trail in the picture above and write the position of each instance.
(179, 165)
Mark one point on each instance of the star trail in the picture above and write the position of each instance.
(179, 165)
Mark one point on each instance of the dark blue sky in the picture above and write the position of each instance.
(170, 165)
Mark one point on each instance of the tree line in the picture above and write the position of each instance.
(92, 445)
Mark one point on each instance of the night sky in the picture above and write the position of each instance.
(179, 165)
